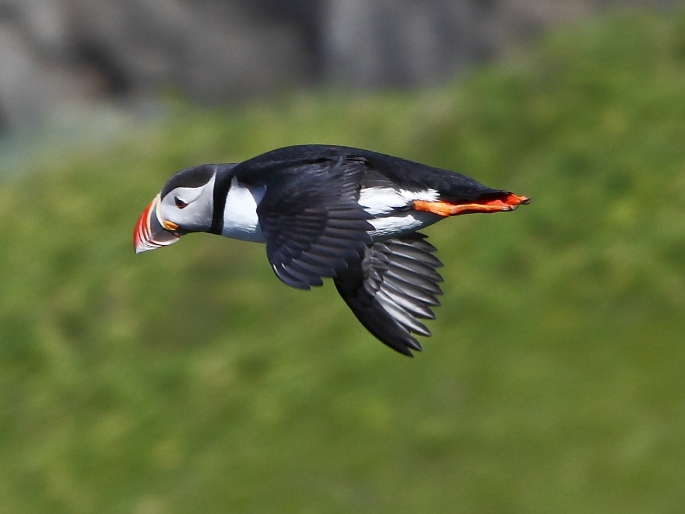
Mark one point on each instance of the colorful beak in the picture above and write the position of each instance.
(150, 231)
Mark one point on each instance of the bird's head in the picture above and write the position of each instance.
(185, 204)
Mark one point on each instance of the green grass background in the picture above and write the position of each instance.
(191, 380)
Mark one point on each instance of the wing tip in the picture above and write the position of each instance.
(405, 346)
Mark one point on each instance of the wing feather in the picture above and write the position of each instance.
(392, 288)
(312, 221)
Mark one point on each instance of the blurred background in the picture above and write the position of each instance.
(190, 379)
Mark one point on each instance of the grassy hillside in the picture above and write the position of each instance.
(190, 379)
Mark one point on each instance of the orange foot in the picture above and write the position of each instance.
(508, 203)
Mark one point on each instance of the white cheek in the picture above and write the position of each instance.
(196, 216)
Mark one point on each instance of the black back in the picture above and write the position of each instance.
(380, 167)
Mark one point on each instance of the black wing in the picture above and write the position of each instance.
(392, 287)
(312, 221)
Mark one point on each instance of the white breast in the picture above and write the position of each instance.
(240, 214)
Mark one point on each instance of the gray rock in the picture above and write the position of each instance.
(61, 56)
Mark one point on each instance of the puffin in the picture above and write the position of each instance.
(335, 212)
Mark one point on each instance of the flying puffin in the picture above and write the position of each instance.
(330, 211)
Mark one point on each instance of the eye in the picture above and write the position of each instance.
(180, 203)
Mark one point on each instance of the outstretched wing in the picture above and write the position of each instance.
(394, 286)
(312, 221)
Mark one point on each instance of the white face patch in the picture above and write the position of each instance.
(378, 201)
(240, 214)
(189, 207)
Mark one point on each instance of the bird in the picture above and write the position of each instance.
(337, 212)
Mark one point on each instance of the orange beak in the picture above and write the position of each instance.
(151, 232)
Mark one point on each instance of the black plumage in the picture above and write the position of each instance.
(336, 212)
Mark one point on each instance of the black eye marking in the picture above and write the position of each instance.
(180, 203)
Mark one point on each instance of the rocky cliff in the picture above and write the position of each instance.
(56, 55)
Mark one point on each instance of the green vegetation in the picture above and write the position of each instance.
(190, 379)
